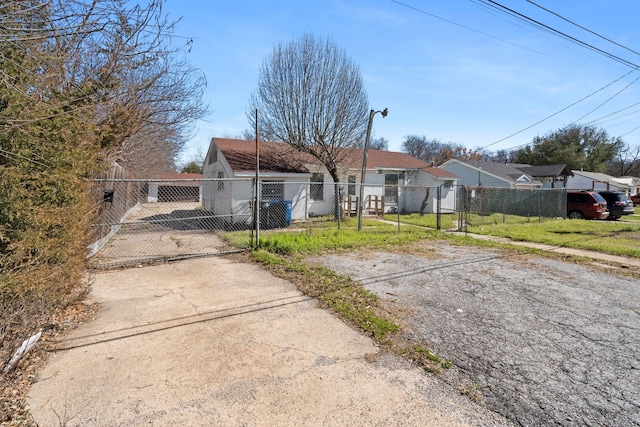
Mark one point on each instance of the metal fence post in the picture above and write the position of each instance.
(398, 206)
(439, 207)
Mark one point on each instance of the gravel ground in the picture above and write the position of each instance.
(545, 342)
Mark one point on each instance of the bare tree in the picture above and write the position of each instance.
(434, 151)
(379, 143)
(112, 67)
(626, 162)
(311, 95)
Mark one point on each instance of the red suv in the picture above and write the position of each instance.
(586, 204)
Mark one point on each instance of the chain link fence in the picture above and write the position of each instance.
(142, 221)
(488, 205)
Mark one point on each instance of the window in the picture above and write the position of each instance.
(317, 186)
(213, 156)
(220, 183)
(448, 184)
(273, 190)
(351, 188)
(391, 188)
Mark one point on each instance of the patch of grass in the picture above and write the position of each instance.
(322, 239)
(426, 220)
(425, 358)
(347, 298)
(613, 237)
(317, 238)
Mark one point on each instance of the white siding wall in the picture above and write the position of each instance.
(580, 182)
(218, 196)
(413, 196)
(469, 176)
(296, 192)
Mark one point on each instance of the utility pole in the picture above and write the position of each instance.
(364, 162)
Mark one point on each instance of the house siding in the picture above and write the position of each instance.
(472, 176)
(582, 182)
(216, 199)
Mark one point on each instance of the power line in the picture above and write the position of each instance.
(609, 99)
(559, 111)
(515, 13)
(537, 24)
(601, 119)
(583, 28)
(457, 24)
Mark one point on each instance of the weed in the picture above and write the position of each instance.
(175, 240)
(425, 358)
(472, 391)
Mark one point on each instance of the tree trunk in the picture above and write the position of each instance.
(337, 209)
(425, 202)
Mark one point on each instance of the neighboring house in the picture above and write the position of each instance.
(175, 187)
(507, 175)
(582, 180)
(551, 176)
(631, 183)
(287, 174)
(489, 174)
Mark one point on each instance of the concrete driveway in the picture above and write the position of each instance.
(212, 341)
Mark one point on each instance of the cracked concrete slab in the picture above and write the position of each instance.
(211, 341)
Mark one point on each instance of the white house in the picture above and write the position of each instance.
(631, 183)
(287, 174)
(582, 180)
(507, 175)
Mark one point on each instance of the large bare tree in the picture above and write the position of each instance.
(311, 95)
(112, 66)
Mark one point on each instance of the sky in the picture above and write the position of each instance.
(458, 71)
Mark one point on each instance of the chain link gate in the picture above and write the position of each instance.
(142, 221)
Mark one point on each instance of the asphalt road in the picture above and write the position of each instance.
(545, 342)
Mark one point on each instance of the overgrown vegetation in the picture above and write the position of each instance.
(81, 85)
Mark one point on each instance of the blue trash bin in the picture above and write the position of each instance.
(275, 214)
(282, 212)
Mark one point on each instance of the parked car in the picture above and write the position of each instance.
(586, 205)
(635, 198)
(618, 203)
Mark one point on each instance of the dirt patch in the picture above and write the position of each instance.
(14, 385)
